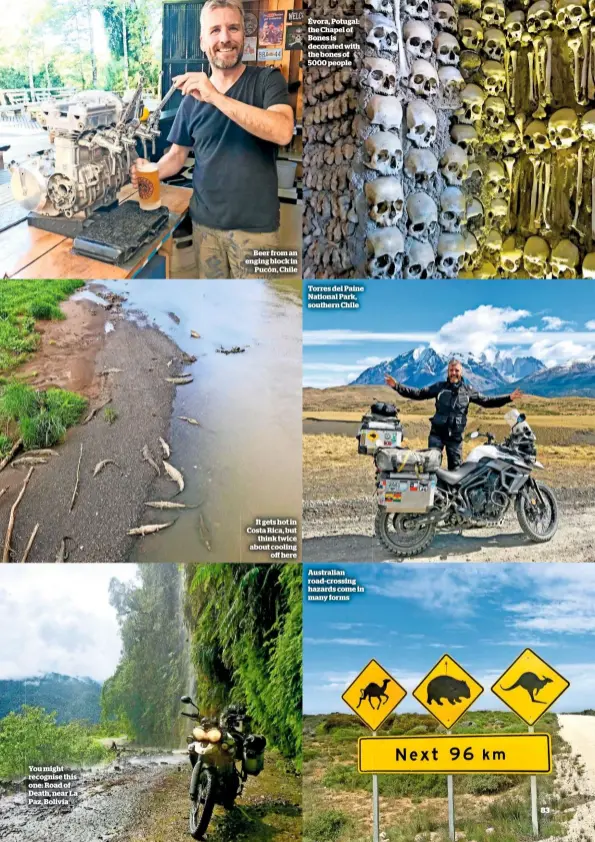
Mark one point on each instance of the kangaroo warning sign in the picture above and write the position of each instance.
(374, 695)
(530, 686)
(447, 691)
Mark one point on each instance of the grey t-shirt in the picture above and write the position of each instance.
(235, 174)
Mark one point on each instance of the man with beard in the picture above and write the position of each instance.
(234, 120)
(453, 397)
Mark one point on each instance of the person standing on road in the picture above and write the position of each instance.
(453, 397)
(234, 120)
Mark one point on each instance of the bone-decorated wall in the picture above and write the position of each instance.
(460, 142)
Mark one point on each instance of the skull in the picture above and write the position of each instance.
(419, 9)
(514, 26)
(418, 39)
(384, 152)
(471, 250)
(445, 17)
(469, 64)
(471, 34)
(494, 44)
(421, 165)
(535, 257)
(588, 125)
(383, 7)
(486, 271)
(447, 49)
(465, 137)
(494, 13)
(495, 111)
(421, 122)
(386, 200)
(384, 251)
(563, 128)
(495, 179)
(380, 75)
(385, 111)
(423, 80)
(497, 213)
(453, 210)
(451, 80)
(472, 98)
(419, 261)
(493, 244)
(511, 256)
(469, 7)
(565, 260)
(535, 138)
(474, 214)
(454, 165)
(381, 33)
(422, 216)
(494, 80)
(570, 14)
(510, 138)
(589, 265)
(539, 17)
(451, 254)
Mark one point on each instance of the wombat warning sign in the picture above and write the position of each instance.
(447, 691)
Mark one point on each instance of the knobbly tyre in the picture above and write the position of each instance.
(222, 756)
(416, 496)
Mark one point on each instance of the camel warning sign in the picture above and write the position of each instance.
(374, 695)
(447, 691)
(530, 686)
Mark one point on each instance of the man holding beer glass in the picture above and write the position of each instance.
(234, 120)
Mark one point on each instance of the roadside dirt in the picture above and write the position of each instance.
(576, 775)
(344, 531)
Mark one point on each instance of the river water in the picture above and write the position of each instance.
(244, 461)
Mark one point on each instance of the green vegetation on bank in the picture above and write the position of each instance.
(22, 303)
(498, 801)
(32, 737)
(39, 418)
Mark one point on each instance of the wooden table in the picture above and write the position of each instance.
(28, 252)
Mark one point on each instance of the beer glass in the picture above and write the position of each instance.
(149, 188)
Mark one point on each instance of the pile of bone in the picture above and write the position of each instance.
(414, 201)
(330, 137)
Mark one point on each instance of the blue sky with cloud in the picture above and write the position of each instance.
(484, 615)
(551, 320)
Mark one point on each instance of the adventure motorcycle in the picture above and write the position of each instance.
(416, 497)
(222, 755)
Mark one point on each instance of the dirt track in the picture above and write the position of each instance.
(343, 530)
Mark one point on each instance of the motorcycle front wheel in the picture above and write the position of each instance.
(399, 534)
(538, 521)
(201, 809)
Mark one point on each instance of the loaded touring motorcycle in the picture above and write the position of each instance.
(416, 496)
(222, 755)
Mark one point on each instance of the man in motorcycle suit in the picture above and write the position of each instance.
(453, 397)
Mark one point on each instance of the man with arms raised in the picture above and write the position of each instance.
(234, 120)
(453, 397)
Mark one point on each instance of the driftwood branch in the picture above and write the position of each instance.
(78, 477)
(16, 446)
(29, 544)
(6, 553)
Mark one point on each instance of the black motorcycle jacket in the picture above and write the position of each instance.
(452, 403)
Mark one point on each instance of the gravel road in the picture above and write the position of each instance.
(343, 530)
(576, 774)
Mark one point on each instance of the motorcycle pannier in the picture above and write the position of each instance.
(411, 461)
(253, 759)
(376, 432)
(406, 492)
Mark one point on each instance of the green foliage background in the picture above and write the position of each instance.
(72, 698)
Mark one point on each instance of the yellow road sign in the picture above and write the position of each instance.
(373, 695)
(447, 691)
(457, 754)
(530, 686)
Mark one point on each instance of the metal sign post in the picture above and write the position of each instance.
(375, 806)
(450, 785)
(534, 814)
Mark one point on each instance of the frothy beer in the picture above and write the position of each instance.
(149, 190)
